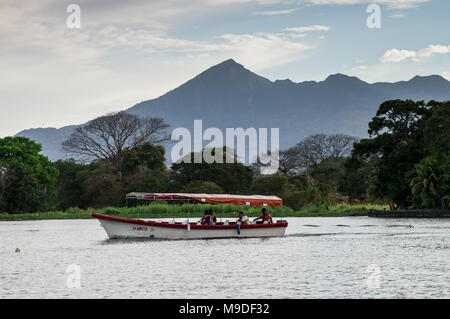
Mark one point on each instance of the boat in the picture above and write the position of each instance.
(122, 227)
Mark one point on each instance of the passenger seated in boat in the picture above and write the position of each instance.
(213, 216)
(243, 219)
(207, 219)
(265, 217)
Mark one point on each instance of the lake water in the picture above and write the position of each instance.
(344, 257)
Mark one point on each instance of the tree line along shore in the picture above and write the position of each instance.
(404, 164)
(162, 210)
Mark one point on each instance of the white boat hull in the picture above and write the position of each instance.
(117, 227)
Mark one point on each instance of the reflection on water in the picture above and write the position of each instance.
(319, 258)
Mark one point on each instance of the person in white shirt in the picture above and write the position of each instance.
(242, 219)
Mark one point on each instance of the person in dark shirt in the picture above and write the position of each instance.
(207, 218)
(213, 217)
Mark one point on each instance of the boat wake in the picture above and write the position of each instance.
(350, 234)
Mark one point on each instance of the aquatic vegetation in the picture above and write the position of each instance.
(165, 210)
(343, 209)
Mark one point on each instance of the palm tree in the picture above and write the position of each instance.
(425, 185)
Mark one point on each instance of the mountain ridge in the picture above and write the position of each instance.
(229, 95)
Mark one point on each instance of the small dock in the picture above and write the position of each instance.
(409, 213)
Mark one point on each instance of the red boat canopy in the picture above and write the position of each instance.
(249, 200)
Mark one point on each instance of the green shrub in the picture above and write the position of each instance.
(111, 211)
(75, 210)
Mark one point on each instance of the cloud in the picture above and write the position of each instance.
(446, 74)
(128, 51)
(396, 55)
(360, 68)
(397, 16)
(391, 4)
(434, 49)
(311, 28)
(123, 53)
(274, 12)
(277, 49)
(73, 75)
(91, 45)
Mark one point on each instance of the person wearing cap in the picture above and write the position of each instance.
(242, 219)
(265, 217)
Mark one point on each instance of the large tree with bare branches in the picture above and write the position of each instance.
(313, 150)
(108, 137)
(316, 148)
(290, 162)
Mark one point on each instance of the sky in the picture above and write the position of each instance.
(56, 72)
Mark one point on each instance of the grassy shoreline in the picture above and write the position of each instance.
(196, 211)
